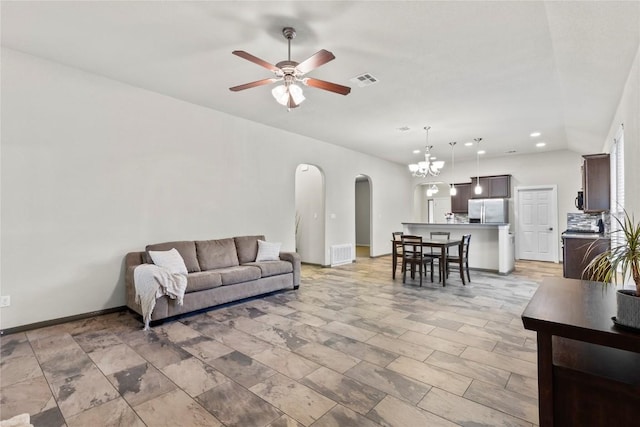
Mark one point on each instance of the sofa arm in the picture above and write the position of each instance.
(294, 259)
(132, 260)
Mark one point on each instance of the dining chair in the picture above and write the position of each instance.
(397, 248)
(461, 259)
(412, 255)
(435, 253)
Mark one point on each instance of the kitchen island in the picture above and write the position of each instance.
(492, 247)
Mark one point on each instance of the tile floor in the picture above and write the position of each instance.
(351, 347)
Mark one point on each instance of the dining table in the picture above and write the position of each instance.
(442, 244)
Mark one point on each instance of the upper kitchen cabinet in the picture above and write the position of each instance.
(493, 187)
(596, 182)
(460, 202)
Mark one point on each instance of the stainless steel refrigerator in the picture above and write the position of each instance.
(489, 210)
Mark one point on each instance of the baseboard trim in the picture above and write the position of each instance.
(60, 320)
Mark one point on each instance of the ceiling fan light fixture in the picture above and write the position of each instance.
(284, 94)
(296, 93)
(289, 72)
(280, 94)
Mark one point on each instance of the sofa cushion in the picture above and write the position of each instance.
(187, 250)
(272, 268)
(203, 280)
(216, 253)
(247, 247)
(268, 251)
(171, 260)
(239, 274)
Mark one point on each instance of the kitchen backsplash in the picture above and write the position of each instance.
(461, 218)
(587, 221)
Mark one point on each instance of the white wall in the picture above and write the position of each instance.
(628, 112)
(92, 169)
(363, 213)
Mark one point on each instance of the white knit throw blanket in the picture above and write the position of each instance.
(152, 282)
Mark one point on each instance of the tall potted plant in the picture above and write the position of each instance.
(623, 257)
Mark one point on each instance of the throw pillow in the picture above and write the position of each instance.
(171, 260)
(268, 251)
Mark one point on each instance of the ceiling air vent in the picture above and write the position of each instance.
(365, 79)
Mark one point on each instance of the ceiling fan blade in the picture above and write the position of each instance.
(331, 87)
(314, 61)
(255, 60)
(253, 84)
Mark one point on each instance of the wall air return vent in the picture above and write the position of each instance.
(365, 79)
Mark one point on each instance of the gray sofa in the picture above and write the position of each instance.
(220, 271)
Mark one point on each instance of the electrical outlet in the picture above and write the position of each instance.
(5, 301)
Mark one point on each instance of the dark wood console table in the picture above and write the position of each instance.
(588, 369)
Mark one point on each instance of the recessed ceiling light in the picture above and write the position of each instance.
(541, 144)
(535, 134)
(481, 151)
(468, 144)
(416, 151)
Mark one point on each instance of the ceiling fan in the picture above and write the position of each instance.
(289, 72)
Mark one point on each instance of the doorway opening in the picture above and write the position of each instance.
(363, 216)
(310, 214)
(431, 202)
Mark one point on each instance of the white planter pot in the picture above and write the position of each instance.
(628, 308)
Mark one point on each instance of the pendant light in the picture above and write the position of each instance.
(478, 189)
(452, 190)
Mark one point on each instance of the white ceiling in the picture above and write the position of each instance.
(496, 70)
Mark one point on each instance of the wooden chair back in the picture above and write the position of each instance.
(411, 248)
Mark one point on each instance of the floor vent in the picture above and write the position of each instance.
(341, 254)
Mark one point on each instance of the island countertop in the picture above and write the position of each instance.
(492, 247)
(460, 224)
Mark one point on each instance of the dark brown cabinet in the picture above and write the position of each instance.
(496, 186)
(493, 187)
(460, 202)
(574, 251)
(587, 368)
(499, 186)
(596, 182)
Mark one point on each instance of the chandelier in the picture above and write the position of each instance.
(430, 166)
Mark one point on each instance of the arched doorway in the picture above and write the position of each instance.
(310, 214)
(363, 216)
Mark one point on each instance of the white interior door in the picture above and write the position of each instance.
(537, 223)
